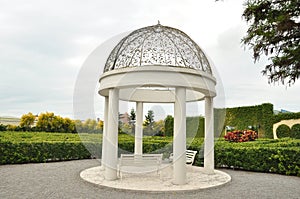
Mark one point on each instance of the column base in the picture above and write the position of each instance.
(110, 174)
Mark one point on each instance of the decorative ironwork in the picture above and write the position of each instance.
(157, 45)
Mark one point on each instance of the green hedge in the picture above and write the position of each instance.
(265, 155)
(260, 116)
(285, 116)
(280, 160)
(283, 131)
(195, 127)
(12, 153)
(295, 131)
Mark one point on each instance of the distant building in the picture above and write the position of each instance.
(124, 118)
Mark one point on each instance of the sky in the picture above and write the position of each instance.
(44, 45)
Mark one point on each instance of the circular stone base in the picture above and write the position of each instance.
(152, 181)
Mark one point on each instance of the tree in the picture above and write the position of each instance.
(100, 125)
(132, 120)
(149, 118)
(169, 125)
(45, 122)
(132, 115)
(69, 125)
(78, 126)
(54, 123)
(159, 128)
(274, 30)
(27, 120)
(148, 123)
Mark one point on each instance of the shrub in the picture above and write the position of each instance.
(283, 131)
(295, 131)
(241, 136)
(3, 127)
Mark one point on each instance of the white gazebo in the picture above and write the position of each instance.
(157, 64)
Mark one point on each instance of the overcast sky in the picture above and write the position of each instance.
(43, 45)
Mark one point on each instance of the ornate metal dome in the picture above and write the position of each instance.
(157, 45)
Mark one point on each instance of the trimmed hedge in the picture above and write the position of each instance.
(263, 159)
(295, 131)
(16, 153)
(195, 127)
(280, 160)
(271, 156)
(260, 116)
(283, 131)
(266, 155)
(285, 116)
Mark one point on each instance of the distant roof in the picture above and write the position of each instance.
(157, 45)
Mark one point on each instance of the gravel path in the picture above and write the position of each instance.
(62, 180)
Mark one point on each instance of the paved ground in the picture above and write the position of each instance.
(62, 180)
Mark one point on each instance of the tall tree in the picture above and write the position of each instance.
(149, 124)
(132, 115)
(149, 118)
(274, 30)
(132, 120)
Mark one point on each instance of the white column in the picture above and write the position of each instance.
(179, 145)
(138, 143)
(104, 134)
(111, 146)
(209, 136)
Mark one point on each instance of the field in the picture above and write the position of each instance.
(9, 120)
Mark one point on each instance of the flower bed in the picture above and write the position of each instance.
(241, 136)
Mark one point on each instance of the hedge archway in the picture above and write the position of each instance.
(295, 131)
(283, 131)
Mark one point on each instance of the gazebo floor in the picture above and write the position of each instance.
(137, 179)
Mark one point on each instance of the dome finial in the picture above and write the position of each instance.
(158, 22)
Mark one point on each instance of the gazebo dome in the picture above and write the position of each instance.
(148, 64)
(157, 46)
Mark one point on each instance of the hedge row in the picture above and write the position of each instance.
(280, 160)
(263, 156)
(16, 153)
(285, 116)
